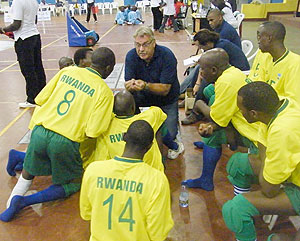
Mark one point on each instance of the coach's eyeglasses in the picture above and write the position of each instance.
(144, 45)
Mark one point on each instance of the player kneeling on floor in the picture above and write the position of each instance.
(125, 198)
(74, 105)
(277, 166)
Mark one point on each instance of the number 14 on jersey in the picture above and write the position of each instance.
(127, 211)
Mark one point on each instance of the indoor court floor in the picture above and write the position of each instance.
(60, 220)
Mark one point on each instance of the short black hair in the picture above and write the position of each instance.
(103, 57)
(140, 134)
(204, 36)
(81, 54)
(123, 103)
(275, 29)
(259, 96)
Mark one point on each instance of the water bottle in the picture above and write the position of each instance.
(184, 197)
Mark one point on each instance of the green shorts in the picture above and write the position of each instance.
(52, 154)
(219, 137)
(293, 193)
(209, 93)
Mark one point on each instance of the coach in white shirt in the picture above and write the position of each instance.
(27, 47)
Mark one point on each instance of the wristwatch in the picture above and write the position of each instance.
(146, 86)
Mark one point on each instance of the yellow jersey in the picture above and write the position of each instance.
(260, 69)
(111, 143)
(225, 109)
(76, 104)
(125, 199)
(284, 75)
(282, 139)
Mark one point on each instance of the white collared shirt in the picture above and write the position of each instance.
(155, 3)
(26, 11)
(169, 9)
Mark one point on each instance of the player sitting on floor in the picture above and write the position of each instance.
(111, 143)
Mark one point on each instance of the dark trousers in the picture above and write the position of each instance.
(166, 17)
(89, 9)
(157, 17)
(30, 61)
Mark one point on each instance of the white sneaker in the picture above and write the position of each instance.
(26, 104)
(173, 154)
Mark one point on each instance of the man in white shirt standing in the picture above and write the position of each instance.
(27, 47)
(157, 14)
(169, 12)
(91, 7)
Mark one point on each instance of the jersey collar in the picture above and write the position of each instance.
(282, 57)
(281, 108)
(124, 159)
(124, 117)
(94, 71)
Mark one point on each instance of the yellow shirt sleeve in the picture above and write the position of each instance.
(154, 116)
(101, 116)
(292, 83)
(159, 219)
(46, 92)
(84, 203)
(224, 106)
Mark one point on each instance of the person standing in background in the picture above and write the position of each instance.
(90, 5)
(27, 47)
(157, 14)
(169, 12)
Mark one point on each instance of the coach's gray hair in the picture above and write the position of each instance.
(142, 31)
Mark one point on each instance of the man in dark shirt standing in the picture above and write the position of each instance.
(151, 76)
(219, 25)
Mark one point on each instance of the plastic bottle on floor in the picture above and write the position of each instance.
(184, 197)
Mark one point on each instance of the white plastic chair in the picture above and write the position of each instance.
(240, 17)
(235, 13)
(71, 9)
(114, 5)
(146, 4)
(52, 9)
(252, 56)
(107, 6)
(100, 7)
(140, 4)
(247, 47)
(83, 8)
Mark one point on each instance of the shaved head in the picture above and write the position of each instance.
(139, 136)
(103, 60)
(215, 18)
(124, 104)
(215, 12)
(65, 62)
(215, 57)
(275, 29)
(213, 63)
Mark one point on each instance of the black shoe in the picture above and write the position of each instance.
(191, 119)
